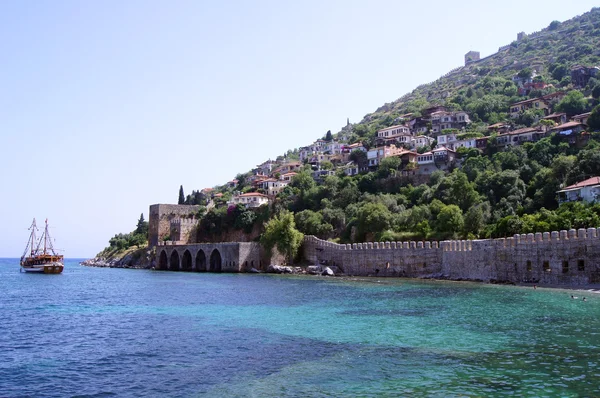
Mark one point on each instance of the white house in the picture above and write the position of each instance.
(587, 191)
(425, 158)
(421, 141)
(250, 199)
(393, 131)
(446, 139)
(273, 186)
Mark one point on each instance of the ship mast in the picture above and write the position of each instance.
(48, 240)
(31, 242)
(45, 235)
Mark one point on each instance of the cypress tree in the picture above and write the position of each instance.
(181, 196)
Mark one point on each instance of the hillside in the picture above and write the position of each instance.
(520, 127)
(550, 52)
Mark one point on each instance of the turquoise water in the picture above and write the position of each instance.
(93, 332)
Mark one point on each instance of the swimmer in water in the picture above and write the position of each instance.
(584, 299)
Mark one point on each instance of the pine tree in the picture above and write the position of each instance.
(142, 226)
(181, 196)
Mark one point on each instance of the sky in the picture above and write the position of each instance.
(107, 107)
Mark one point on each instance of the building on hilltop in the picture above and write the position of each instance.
(472, 56)
(587, 191)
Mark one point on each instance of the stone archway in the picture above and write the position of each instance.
(200, 261)
(174, 263)
(215, 261)
(186, 261)
(163, 261)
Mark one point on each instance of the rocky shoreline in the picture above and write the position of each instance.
(138, 259)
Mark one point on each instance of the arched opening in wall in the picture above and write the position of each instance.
(547, 266)
(215, 261)
(200, 261)
(580, 265)
(529, 267)
(186, 261)
(565, 267)
(162, 261)
(174, 263)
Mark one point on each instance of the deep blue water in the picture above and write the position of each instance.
(95, 332)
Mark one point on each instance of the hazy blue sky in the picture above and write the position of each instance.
(107, 107)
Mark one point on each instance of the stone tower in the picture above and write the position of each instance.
(471, 56)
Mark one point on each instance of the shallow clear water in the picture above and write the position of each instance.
(95, 332)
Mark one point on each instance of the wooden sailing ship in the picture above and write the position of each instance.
(39, 255)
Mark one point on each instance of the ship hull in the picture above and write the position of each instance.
(53, 268)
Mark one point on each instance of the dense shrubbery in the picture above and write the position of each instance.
(222, 219)
(513, 191)
(138, 237)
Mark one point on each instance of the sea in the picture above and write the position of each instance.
(101, 332)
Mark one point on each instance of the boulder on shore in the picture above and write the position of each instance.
(279, 269)
(314, 269)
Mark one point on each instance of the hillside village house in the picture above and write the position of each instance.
(288, 167)
(446, 139)
(580, 75)
(376, 155)
(288, 176)
(393, 131)
(542, 103)
(481, 143)
(406, 156)
(587, 191)
(250, 199)
(272, 186)
(319, 175)
(265, 167)
(443, 120)
(517, 137)
(572, 133)
(558, 118)
(499, 127)
(438, 159)
(583, 118)
(522, 106)
(333, 148)
(355, 146)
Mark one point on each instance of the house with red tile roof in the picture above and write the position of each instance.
(587, 191)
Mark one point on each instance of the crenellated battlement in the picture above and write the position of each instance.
(559, 257)
(184, 221)
(465, 245)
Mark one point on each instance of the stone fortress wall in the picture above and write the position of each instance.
(567, 258)
(165, 220)
(211, 257)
